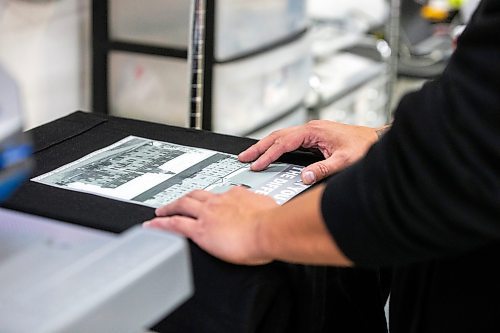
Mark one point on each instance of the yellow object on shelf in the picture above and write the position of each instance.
(434, 13)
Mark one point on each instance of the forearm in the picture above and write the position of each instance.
(296, 233)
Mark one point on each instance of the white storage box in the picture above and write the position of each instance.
(253, 91)
(149, 88)
(158, 22)
(365, 106)
(361, 14)
(352, 89)
(242, 25)
(342, 72)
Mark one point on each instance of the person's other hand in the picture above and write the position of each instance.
(340, 144)
(225, 225)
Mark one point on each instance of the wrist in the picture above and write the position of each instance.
(263, 241)
(382, 130)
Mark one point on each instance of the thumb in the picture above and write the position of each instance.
(319, 170)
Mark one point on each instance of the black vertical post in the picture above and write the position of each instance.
(209, 64)
(100, 49)
(196, 62)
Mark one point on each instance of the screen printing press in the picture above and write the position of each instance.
(59, 277)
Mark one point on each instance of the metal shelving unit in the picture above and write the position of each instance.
(211, 58)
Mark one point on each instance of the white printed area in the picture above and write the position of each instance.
(153, 173)
(186, 160)
(126, 191)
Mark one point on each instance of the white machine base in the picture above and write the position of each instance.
(57, 277)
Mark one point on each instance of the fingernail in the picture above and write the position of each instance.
(146, 224)
(309, 177)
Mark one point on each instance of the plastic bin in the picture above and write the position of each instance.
(149, 88)
(158, 22)
(366, 106)
(255, 90)
(242, 25)
(351, 89)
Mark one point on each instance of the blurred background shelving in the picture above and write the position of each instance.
(272, 63)
(256, 69)
(352, 63)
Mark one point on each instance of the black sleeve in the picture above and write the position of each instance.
(431, 186)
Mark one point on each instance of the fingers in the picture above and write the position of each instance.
(189, 205)
(251, 153)
(183, 225)
(271, 148)
(254, 151)
(272, 154)
(180, 216)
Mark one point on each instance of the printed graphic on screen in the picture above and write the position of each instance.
(154, 173)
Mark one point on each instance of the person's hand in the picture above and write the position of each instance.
(225, 225)
(340, 144)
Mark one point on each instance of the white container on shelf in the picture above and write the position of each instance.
(158, 22)
(365, 106)
(343, 72)
(242, 25)
(251, 92)
(361, 14)
(149, 88)
(246, 93)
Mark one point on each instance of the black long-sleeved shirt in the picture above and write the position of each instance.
(431, 187)
(426, 198)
